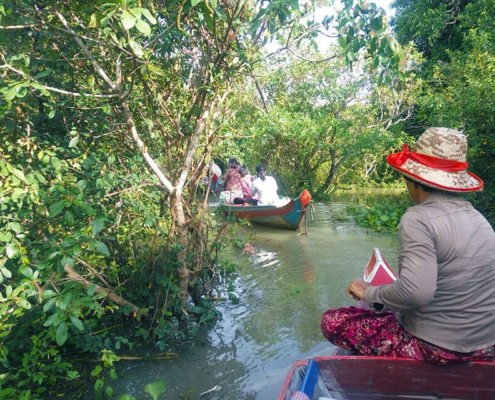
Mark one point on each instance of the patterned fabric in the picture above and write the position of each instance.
(442, 143)
(297, 395)
(233, 180)
(365, 332)
(246, 188)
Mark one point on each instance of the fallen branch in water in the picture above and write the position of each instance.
(164, 356)
(75, 277)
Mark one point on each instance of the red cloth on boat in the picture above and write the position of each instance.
(365, 332)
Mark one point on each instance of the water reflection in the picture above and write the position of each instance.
(285, 287)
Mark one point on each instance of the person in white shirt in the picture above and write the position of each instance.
(265, 187)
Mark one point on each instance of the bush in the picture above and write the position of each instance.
(381, 214)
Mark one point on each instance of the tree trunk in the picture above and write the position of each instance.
(182, 231)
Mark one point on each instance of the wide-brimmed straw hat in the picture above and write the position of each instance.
(438, 159)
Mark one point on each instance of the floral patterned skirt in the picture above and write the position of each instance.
(365, 332)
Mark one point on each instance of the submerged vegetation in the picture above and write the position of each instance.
(112, 110)
(383, 213)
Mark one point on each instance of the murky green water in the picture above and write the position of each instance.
(284, 287)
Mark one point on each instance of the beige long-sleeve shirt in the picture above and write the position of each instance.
(446, 288)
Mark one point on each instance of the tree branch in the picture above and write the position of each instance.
(53, 89)
(85, 50)
(144, 151)
(75, 277)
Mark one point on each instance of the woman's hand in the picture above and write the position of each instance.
(356, 289)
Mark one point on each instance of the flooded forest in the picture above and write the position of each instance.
(121, 277)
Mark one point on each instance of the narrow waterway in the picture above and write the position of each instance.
(283, 288)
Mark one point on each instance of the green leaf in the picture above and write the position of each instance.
(102, 249)
(11, 93)
(376, 24)
(77, 250)
(143, 27)
(341, 41)
(97, 226)
(155, 389)
(15, 226)
(128, 20)
(69, 218)
(77, 323)
(61, 335)
(6, 272)
(194, 3)
(12, 250)
(53, 319)
(5, 237)
(57, 207)
(91, 290)
(126, 397)
(109, 391)
(156, 70)
(148, 16)
(136, 48)
(272, 5)
(23, 303)
(93, 21)
(294, 4)
(49, 304)
(56, 163)
(26, 271)
(51, 114)
(63, 302)
(19, 174)
(96, 371)
(73, 142)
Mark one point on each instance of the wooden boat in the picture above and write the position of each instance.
(355, 377)
(289, 216)
(380, 378)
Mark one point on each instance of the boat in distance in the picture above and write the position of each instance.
(288, 216)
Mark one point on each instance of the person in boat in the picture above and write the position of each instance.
(444, 296)
(246, 180)
(265, 187)
(216, 172)
(232, 180)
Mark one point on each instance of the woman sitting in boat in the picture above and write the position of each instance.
(445, 293)
(232, 180)
(246, 180)
(265, 187)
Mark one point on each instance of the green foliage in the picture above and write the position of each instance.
(458, 91)
(156, 389)
(326, 126)
(382, 214)
(109, 111)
